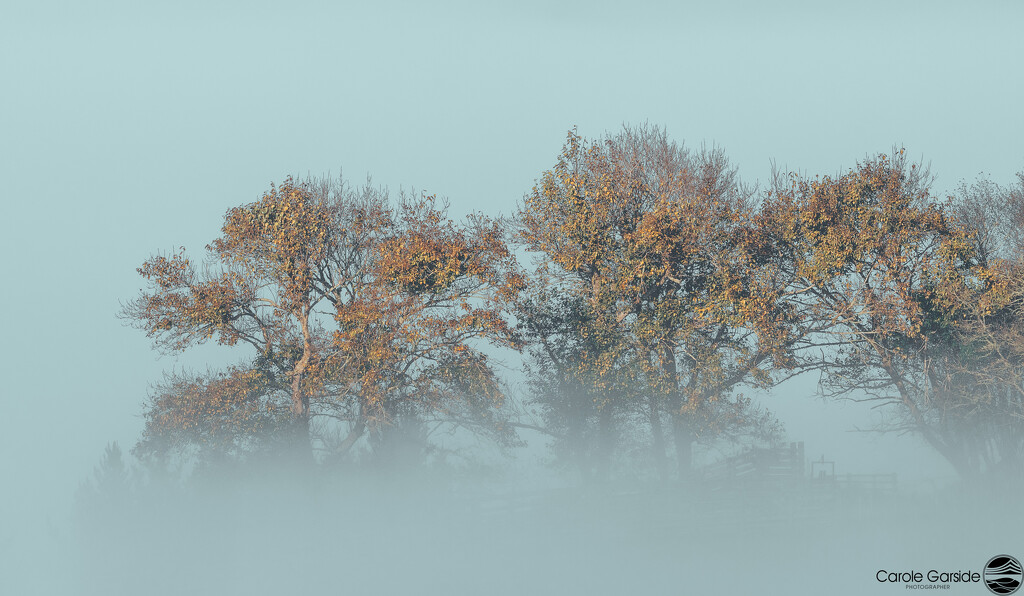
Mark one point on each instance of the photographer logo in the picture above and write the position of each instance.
(1002, 574)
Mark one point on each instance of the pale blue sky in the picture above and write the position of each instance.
(127, 128)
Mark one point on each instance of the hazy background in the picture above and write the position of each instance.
(128, 128)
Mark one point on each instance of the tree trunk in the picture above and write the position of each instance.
(957, 458)
(300, 444)
(682, 433)
(576, 435)
(605, 442)
(683, 437)
(657, 439)
(356, 433)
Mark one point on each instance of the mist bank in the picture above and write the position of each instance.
(390, 533)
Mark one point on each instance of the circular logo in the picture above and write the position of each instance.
(1002, 574)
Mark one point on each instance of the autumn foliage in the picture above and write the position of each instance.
(897, 274)
(662, 289)
(359, 311)
(661, 249)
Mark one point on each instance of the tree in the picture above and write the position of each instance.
(273, 263)
(994, 217)
(360, 312)
(711, 307)
(975, 367)
(887, 265)
(579, 374)
(405, 343)
(105, 495)
(661, 246)
(978, 364)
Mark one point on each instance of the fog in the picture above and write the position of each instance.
(447, 532)
(127, 129)
(511, 523)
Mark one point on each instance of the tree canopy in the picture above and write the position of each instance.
(662, 290)
(360, 311)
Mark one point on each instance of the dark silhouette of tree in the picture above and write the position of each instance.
(106, 495)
